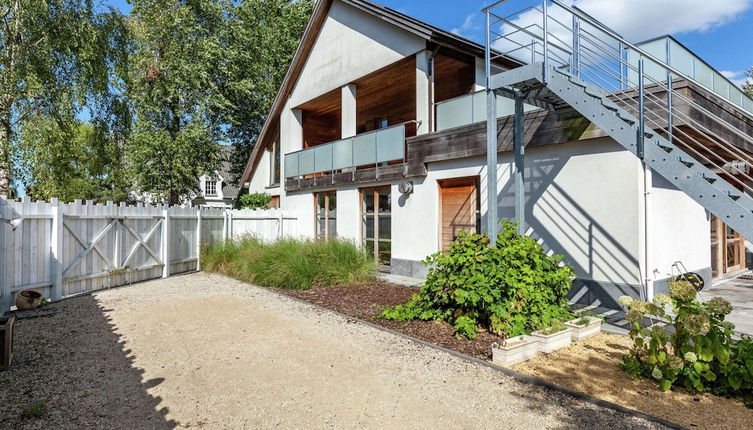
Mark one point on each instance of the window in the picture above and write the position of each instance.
(210, 188)
(376, 223)
(326, 215)
(274, 168)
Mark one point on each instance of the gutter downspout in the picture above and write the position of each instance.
(647, 236)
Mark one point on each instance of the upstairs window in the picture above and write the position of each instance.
(274, 167)
(210, 188)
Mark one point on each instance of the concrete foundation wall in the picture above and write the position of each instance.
(679, 231)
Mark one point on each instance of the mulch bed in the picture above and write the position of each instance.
(367, 301)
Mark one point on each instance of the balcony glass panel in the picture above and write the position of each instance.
(390, 144)
(323, 158)
(364, 149)
(343, 154)
(455, 112)
(704, 74)
(379, 146)
(471, 108)
(654, 71)
(735, 95)
(721, 86)
(681, 58)
(306, 164)
(291, 165)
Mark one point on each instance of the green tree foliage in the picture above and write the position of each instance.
(510, 289)
(748, 85)
(253, 201)
(71, 161)
(262, 37)
(57, 57)
(177, 69)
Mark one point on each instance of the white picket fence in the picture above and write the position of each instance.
(63, 249)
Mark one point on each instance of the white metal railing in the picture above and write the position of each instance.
(374, 147)
(569, 40)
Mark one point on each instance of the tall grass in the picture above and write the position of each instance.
(290, 263)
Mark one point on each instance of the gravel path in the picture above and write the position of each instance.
(207, 351)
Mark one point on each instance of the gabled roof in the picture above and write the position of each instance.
(421, 29)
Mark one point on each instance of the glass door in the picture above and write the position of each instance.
(376, 223)
(727, 249)
(326, 215)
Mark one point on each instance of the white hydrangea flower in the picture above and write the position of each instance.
(657, 374)
(625, 301)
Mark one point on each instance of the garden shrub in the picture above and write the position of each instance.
(252, 201)
(511, 289)
(699, 355)
(290, 263)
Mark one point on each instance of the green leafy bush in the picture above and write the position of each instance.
(290, 263)
(699, 355)
(511, 289)
(253, 201)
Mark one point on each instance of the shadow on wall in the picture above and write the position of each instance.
(564, 226)
(74, 361)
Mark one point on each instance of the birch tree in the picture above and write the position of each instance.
(51, 62)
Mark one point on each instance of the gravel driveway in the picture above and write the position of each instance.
(210, 352)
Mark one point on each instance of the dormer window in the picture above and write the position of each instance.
(210, 188)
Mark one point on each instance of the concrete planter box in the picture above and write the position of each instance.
(515, 350)
(553, 342)
(582, 332)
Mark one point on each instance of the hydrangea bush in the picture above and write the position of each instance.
(699, 355)
(510, 289)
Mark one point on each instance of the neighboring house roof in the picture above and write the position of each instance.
(318, 17)
(229, 190)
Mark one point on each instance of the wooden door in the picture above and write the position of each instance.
(459, 208)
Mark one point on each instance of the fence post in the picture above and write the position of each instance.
(165, 242)
(282, 219)
(224, 225)
(198, 239)
(230, 224)
(114, 213)
(4, 286)
(56, 250)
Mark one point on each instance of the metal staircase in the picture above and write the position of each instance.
(576, 61)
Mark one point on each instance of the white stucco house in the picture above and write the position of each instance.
(378, 135)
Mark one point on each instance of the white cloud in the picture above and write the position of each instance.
(739, 78)
(467, 27)
(639, 20)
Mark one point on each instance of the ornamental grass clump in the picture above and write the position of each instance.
(290, 263)
(699, 355)
(511, 289)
